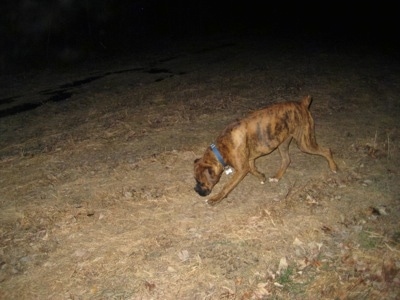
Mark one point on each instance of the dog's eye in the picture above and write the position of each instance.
(199, 183)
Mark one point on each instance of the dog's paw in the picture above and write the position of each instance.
(262, 182)
(273, 179)
(211, 202)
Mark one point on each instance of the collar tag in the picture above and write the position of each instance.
(228, 170)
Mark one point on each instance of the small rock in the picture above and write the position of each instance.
(171, 269)
(128, 195)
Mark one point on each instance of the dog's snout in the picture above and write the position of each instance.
(201, 191)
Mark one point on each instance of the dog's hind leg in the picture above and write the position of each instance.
(308, 143)
(285, 160)
(255, 172)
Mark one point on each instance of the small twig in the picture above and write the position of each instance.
(290, 190)
(376, 136)
(269, 215)
(374, 234)
(391, 249)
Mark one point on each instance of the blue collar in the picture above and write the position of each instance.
(218, 155)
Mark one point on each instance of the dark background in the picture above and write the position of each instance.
(44, 33)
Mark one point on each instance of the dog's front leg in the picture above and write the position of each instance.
(229, 186)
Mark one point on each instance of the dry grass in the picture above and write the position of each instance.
(97, 197)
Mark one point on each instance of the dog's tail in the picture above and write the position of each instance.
(306, 101)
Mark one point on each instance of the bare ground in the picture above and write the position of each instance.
(96, 191)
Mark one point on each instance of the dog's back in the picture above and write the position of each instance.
(274, 123)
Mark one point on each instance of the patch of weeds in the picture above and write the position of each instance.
(366, 241)
(285, 277)
(289, 285)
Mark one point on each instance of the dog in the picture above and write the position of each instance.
(258, 134)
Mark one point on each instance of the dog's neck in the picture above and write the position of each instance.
(227, 168)
(218, 155)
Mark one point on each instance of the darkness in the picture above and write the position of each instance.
(42, 33)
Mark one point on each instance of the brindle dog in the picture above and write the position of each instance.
(258, 134)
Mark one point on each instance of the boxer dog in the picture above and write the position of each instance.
(258, 134)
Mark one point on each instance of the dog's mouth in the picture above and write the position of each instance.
(201, 190)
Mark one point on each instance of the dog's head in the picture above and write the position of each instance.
(207, 176)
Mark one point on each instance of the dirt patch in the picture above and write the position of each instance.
(97, 197)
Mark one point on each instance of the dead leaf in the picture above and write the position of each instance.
(389, 270)
(262, 291)
(297, 242)
(149, 286)
(183, 255)
(326, 229)
(283, 265)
